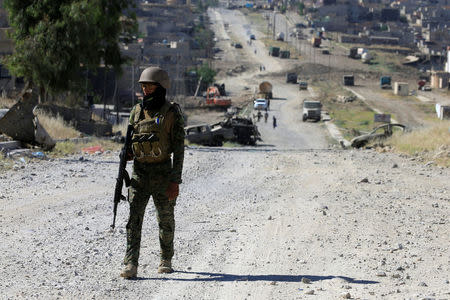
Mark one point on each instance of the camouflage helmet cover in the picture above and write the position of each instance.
(157, 75)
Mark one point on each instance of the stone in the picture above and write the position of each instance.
(381, 274)
(306, 280)
(310, 292)
(423, 284)
(346, 296)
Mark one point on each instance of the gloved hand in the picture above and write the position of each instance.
(172, 191)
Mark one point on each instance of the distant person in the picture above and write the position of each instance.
(274, 122)
(266, 116)
(259, 115)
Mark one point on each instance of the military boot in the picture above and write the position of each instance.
(165, 266)
(130, 271)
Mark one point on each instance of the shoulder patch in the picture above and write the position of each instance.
(176, 107)
(135, 114)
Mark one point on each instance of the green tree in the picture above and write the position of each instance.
(56, 41)
(301, 8)
(206, 73)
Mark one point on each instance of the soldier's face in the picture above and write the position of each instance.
(148, 88)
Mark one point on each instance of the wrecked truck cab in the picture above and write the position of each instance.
(378, 133)
(203, 135)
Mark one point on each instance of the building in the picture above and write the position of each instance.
(401, 89)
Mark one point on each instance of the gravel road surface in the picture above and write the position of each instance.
(251, 224)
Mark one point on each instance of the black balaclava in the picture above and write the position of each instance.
(155, 100)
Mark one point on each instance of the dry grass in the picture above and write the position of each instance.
(351, 117)
(122, 127)
(5, 163)
(431, 143)
(57, 128)
(6, 102)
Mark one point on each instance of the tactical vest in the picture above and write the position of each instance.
(151, 137)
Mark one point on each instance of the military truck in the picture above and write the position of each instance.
(274, 51)
(291, 78)
(312, 109)
(349, 79)
(285, 54)
(385, 82)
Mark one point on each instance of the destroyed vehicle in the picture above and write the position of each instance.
(312, 109)
(222, 132)
(379, 133)
(203, 135)
(244, 131)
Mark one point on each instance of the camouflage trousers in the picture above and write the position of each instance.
(150, 180)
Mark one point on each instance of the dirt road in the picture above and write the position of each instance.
(286, 220)
(250, 225)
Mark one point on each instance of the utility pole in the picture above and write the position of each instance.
(132, 85)
(273, 25)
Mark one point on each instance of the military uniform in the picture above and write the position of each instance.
(153, 170)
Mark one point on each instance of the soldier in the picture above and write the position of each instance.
(259, 115)
(158, 133)
(274, 122)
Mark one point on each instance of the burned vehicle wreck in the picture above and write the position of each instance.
(378, 133)
(233, 129)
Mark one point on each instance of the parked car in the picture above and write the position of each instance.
(252, 37)
(303, 85)
(261, 104)
(379, 133)
(237, 45)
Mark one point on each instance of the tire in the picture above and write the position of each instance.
(304, 118)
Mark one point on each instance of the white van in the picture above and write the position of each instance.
(260, 104)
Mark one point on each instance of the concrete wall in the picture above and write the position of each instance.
(439, 79)
(401, 89)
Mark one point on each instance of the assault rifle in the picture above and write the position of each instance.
(123, 174)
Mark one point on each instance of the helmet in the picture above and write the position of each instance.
(155, 74)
